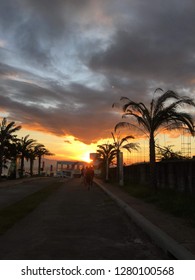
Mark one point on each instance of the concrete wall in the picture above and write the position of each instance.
(178, 175)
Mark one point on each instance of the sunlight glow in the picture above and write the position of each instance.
(86, 157)
(66, 148)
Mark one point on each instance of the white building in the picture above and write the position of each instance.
(69, 168)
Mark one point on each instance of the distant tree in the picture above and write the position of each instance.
(40, 151)
(31, 156)
(7, 136)
(13, 153)
(123, 143)
(25, 146)
(167, 153)
(119, 144)
(162, 112)
(106, 155)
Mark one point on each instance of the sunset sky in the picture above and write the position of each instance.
(63, 64)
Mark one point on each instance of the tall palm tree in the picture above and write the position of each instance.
(162, 112)
(106, 154)
(25, 146)
(7, 135)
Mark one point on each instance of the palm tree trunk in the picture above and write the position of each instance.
(120, 169)
(1, 163)
(153, 179)
(107, 170)
(31, 167)
(118, 165)
(39, 165)
(12, 169)
(22, 167)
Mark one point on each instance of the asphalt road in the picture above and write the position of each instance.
(73, 224)
(13, 192)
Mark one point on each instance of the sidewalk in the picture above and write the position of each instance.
(170, 233)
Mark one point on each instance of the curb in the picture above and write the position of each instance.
(161, 239)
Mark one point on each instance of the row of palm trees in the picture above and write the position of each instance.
(12, 148)
(163, 112)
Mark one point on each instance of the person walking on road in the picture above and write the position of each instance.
(89, 175)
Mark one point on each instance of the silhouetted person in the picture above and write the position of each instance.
(89, 175)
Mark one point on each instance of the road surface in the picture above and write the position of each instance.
(72, 224)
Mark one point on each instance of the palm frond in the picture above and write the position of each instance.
(131, 146)
(174, 120)
(144, 122)
(158, 89)
(130, 126)
(160, 101)
(113, 136)
(124, 98)
(126, 138)
(132, 106)
(116, 105)
(138, 111)
(181, 100)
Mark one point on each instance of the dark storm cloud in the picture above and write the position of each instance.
(37, 27)
(158, 46)
(7, 70)
(63, 63)
(9, 16)
(76, 110)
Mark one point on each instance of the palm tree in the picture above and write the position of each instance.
(162, 112)
(31, 156)
(7, 135)
(12, 154)
(25, 145)
(40, 151)
(106, 153)
(119, 145)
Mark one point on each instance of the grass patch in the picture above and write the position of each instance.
(11, 214)
(178, 204)
(139, 191)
